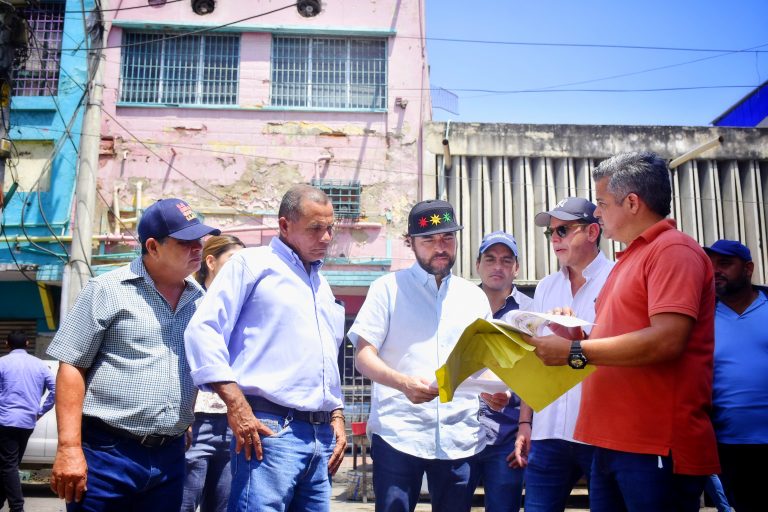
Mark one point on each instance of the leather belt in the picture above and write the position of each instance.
(314, 417)
(148, 441)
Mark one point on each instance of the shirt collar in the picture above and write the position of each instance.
(424, 277)
(649, 235)
(282, 249)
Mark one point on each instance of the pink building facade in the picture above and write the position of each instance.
(229, 109)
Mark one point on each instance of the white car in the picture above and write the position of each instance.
(41, 448)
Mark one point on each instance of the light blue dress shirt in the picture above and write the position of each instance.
(414, 325)
(23, 381)
(270, 327)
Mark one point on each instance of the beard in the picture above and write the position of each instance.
(732, 286)
(436, 269)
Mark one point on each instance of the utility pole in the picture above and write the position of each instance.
(77, 271)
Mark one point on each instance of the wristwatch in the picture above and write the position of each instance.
(576, 359)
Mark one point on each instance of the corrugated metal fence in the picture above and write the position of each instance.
(712, 199)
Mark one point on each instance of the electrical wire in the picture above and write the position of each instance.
(186, 33)
(116, 10)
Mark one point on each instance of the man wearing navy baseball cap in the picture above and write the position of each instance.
(739, 403)
(405, 330)
(125, 393)
(497, 265)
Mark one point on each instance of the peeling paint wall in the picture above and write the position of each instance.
(233, 164)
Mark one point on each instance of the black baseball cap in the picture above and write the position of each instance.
(432, 217)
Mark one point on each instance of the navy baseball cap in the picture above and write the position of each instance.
(498, 237)
(570, 208)
(432, 217)
(730, 248)
(174, 218)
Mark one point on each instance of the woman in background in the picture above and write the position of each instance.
(208, 475)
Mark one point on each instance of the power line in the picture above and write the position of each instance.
(584, 45)
(185, 33)
(118, 9)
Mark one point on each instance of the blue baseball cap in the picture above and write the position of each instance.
(730, 248)
(498, 237)
(174, 218)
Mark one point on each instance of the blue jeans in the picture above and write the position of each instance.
(636, 482)
(124, 476)
(554, 467)
(503, 485)
(208, 475)
(292, 476)
(397, 479)
(714, 489)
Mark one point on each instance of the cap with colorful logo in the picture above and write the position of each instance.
(570, 208)
(730, 248)
(432, 217)
(174, 218)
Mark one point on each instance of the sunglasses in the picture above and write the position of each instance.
(562, 231)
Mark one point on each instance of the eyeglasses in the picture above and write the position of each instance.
(562, 231)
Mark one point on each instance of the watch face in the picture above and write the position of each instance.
(577, 361)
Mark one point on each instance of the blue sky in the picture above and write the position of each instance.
(703, 24)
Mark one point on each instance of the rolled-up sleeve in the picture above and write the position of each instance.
(372, 322)
(207, 337)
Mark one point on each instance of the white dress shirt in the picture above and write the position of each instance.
(558, 419)
(414, 326)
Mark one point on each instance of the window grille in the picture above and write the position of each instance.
(38, 74)
(338, 73)
(344, 195)
(186, 70)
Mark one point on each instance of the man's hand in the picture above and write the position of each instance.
(69, 474)
(496, 401)
(418, 389)
(337, 424)
(247, 430)
(552, 350)
(519, 457)
(572, 333)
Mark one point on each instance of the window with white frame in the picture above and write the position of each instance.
(177, 69)
(343, 73)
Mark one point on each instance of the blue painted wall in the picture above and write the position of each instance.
(46, 118)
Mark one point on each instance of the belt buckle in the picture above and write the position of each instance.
(316, 417)
(152, 441)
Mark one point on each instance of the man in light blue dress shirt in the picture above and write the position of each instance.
(266, 338)
(405, 330)
(23, 381)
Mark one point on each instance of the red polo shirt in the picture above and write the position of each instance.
(662, 408)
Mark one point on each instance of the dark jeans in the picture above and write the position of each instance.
(13, 442)
(635, 482)
(503, 486)
(554, 467)
(744, 475)
(397, 479)
(209, 478)
(124, 476)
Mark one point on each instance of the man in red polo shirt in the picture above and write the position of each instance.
(646, 408)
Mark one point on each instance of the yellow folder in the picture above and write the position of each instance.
(485, 344)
